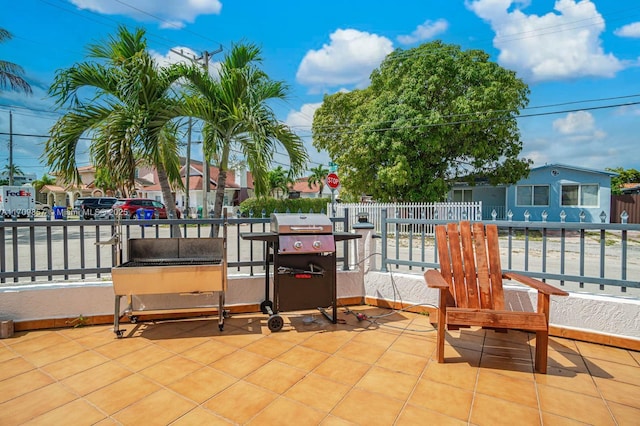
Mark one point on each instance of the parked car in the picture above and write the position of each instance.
(42, 207)
(129, 206)
(87, 206)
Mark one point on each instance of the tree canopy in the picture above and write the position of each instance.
(431, 115)
(10, 73)
(624, 176)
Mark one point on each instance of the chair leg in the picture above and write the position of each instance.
(542, 345)
(442, 326)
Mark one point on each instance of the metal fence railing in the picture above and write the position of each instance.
(590, 257)
(38, 249)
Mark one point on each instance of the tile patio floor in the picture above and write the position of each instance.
(312, 372)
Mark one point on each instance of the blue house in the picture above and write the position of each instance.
(554, 189)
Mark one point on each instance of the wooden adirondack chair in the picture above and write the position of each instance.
(470, 284)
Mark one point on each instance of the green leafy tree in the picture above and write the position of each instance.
(317, 177)
(431, 115)
(120, 97)
(235, 108)
(624, 176)
(10, 73)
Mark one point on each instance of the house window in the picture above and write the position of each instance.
(580, 195)
(532, 195)
(462, 196)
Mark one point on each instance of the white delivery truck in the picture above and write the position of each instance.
(18, 200)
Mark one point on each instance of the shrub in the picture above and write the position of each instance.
(255, 206)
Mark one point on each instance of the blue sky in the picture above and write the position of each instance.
(580, 59)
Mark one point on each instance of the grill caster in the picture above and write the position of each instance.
(275, 323)
(133, 319)
(220, 327)
(120, 333)
(266, 306)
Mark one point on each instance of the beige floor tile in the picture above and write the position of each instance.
(208, 352)
(146, 357)
(159, 408)
(635, 355)
(276, 376)
(414, 345)
(119, 347)
(239, 339)
(270, 347)
(362, 407)
(318, 392)
(284, 412)
(342, 370)
(449, 400)
(413, 415)
(461, 375)
(6, 354)
(33, 404)
(202, 384)
(562, 345)
(375, 337)
(607, 353)
(122, 393)
(240, 402)
(171, 369)
(620, 372)
(331, 420)
(179, 345)
(555, 420)
(95, 378)
(304, 358)
(619, 392)
(74, 364)
(240, 363)
(568, 380)
(518, 368)
(327, 342)
(624, 414)
(23, 384)
(507, 388)
(37, 342)
(488, 410)
(571, 361)
(386, 382)
(14, 366)
(402, 362)
(77, 412)
(361, 352)
(199, 417)
(583, 408)
(54, 353)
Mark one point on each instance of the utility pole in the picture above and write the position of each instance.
(10, 148)
(205, 57)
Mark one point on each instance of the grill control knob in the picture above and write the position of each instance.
(297, 245)
(317, 244)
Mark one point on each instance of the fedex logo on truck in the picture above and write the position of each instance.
(19, 193)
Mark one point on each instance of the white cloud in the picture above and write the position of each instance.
(303, 118)
(575, 122)
(347, 60)
(629, 30)
(427, 30)
(171, 13)
(554, 46)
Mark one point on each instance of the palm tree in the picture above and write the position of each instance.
(38, 184)
(10, 73)
(278, 181)
(125, 114)
(236, 114)
(317, 177)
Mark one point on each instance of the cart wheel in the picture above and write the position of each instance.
(226, 314)
(266, 304)
(221, 327)
(133, 319)
(275, 323)
(120, 333)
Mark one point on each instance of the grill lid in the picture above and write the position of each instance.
(296, 223)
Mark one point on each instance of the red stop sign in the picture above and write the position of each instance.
(333, 181)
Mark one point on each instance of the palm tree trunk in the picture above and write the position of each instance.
(168, 198)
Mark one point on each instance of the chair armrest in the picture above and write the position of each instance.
(435, 280)
(534, 283)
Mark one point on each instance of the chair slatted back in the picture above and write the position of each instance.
(470, 263)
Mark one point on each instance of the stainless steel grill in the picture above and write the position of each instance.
(303, 248)
(170, 266)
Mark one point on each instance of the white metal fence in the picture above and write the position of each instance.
(423, 211)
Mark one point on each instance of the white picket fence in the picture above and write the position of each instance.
(430, 211)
